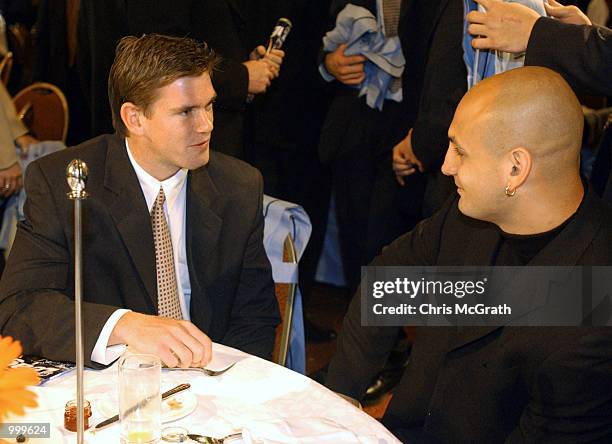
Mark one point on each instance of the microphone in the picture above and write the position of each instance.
(277, 40)
(279, 34)
(76, 176)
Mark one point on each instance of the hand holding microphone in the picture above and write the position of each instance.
(270, 57)
(273, 58)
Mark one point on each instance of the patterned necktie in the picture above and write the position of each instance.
(391, 15)
(168, 304)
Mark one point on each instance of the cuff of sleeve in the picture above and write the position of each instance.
(542, 44)
(103, 353)
(325, 74)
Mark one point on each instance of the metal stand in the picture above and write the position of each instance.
(76, 175)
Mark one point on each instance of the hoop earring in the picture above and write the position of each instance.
(508, 193)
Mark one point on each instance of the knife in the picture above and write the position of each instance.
(174, 391)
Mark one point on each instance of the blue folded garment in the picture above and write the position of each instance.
(363, 34)
(481, 64)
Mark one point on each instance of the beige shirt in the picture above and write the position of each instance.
(10, 128)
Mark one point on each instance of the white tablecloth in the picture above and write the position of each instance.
(273, 404)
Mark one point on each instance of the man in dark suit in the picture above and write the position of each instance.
(360, 143)
(434, 81)
(514, 156)
(170, 228)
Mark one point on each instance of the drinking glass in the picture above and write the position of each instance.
(140, 399)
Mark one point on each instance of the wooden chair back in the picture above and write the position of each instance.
(44, 110)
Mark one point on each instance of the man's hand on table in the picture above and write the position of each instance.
(177, 343)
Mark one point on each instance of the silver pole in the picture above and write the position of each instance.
(76, 175)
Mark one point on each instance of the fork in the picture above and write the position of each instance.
(209, 440)
(206, 371)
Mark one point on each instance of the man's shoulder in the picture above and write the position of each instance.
(229, 173)
(92, 150)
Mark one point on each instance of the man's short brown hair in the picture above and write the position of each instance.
(144, 64)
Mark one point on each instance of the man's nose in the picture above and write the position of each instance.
(205, 121)
(449, 167)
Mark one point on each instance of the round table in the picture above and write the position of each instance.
(273, 404)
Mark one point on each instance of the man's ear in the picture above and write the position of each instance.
(519, 167)
(132, 117)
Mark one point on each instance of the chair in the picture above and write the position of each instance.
(286, 233)
(6, 65)
(13, 210)
(44, 110)
(285, 294)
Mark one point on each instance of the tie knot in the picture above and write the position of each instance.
(161, 197)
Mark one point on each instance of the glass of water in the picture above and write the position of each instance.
(140, 399)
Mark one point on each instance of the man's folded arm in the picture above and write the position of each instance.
(255, 313)
(36, 302)
(581, 54)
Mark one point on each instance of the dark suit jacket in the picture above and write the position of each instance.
(496, 384)
(435, 78)
(232, 293)
(581, 54)
(433, 83)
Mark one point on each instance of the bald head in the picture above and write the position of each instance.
(528, 107)
(514, 151)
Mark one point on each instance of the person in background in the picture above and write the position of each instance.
(565, 42)
(13, 134)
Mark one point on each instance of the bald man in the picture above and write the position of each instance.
(514, 156)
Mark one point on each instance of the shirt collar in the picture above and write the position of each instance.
(150, 185)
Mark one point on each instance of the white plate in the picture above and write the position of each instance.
(173, 408)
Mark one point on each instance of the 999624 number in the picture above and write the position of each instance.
(27, 429)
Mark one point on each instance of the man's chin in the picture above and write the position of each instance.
(198, 163)
(463, 207)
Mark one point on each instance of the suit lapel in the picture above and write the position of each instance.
(480, 250)
(128, 209)
(203, 226)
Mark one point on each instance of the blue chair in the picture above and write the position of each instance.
(286, 233)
